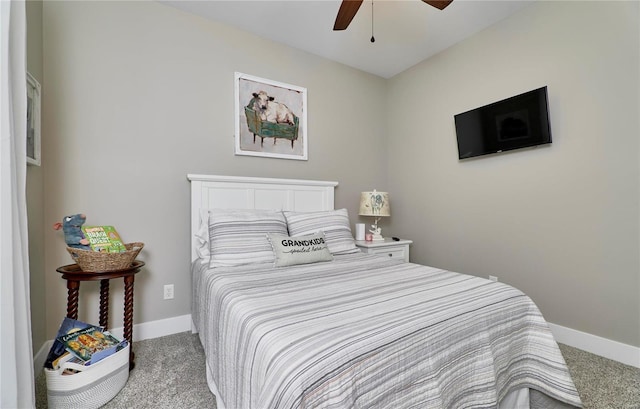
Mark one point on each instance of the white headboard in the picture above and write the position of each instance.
(237, 192)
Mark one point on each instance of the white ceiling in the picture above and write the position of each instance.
(406, 31)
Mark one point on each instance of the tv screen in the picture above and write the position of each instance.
(517, 122)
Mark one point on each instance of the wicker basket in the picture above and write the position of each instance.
(96, 261)
(90, 388)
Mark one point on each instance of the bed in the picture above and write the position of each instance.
(348, 329)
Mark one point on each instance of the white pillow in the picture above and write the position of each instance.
(291, 251)
(334, 223)
(202, 235)
(239, 237)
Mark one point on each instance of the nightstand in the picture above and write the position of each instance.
(395, 249)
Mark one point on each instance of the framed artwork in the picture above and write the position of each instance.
(33, 121)
(271, 118)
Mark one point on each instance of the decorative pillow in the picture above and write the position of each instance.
(334, 224)
(239, 237)
(290, 251)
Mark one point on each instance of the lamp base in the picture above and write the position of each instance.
(376, 232)
(377, 237)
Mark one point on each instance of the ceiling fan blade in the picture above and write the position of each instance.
(347, 11)
(439, 4)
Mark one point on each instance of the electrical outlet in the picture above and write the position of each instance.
(492, 278)
(168, 292)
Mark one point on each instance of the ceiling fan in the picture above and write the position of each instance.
(349, 8)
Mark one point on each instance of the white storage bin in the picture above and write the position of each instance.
(92, 387)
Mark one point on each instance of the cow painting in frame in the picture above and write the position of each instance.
(270, 118)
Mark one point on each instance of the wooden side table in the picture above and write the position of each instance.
(74, 275)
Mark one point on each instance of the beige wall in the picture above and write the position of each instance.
(139, 94)
(559, 222)
(35, 190)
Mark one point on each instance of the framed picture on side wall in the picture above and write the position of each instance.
(33, 121)
(270, 118)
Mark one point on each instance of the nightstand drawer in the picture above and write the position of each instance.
(393, 252)
(398, 249)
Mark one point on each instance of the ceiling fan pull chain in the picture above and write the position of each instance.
(373, 40)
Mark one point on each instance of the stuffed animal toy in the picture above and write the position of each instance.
(73, 236)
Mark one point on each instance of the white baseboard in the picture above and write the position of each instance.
(157, 329)
(41, 355)
(617, 351)
(614, 350)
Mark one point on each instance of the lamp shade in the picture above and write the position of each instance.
(375, 204)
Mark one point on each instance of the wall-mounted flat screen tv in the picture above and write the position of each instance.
(518, 122)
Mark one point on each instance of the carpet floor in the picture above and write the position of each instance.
(170, 373)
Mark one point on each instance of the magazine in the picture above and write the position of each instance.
(67, 357)
(104, 238)
(91, 344)
(58, 349)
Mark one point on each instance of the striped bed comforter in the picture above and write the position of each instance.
(365, 331)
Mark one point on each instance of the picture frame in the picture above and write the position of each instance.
(270, 118)
(33, 120)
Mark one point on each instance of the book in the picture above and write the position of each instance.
(68, 326)
(104, 238)
(67, 357)
(91, 344)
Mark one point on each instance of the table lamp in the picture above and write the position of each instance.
(375, 204)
